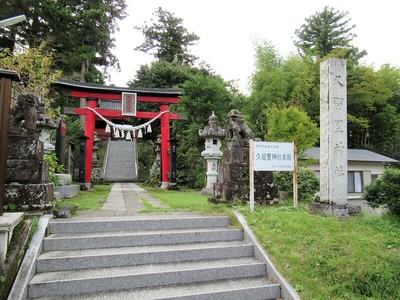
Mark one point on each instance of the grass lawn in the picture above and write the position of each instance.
(322, 257)
(92, 199)
(330, 258)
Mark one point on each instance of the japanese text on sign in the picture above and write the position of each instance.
(129, 104)
(269, 156)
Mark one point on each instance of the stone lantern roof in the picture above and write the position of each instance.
(212, 130)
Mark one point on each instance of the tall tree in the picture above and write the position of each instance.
(291, 124)
(167, 39)
(323, 32)
(79, 31)
(280, 82)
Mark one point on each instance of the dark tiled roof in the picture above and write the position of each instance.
(72, 84)
(355, 155)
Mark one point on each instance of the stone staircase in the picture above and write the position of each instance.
(121, 161)
(178, 256)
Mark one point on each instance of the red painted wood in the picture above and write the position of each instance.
(140, 98)
(89, 132)
(165, 137)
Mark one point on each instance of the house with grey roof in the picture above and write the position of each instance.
(363, 167)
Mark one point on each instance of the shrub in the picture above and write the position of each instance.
(308, 183)
(54, 167)
(385, 190)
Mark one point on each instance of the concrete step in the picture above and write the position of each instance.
(121, 161)
(154, 275)
(140, 223)
(71, 241)
(130, 256)
(255, 288)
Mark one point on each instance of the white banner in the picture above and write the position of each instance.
(273, 156)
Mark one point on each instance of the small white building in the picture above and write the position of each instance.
(363, 167)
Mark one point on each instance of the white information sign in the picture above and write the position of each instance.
(273, 156)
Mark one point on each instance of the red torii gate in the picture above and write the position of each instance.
(95, 92)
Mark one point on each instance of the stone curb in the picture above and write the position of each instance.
(287, 291)
(19, 290)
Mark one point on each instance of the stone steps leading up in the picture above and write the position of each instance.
(149, 257)
(121, 161)
(235, 289)
(131, 256)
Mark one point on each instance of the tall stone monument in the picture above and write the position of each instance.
(333, 134)
(333, 139)
(212, 153)
(27, 173)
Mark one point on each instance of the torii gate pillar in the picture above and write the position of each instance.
(89, 133)
(165, 137)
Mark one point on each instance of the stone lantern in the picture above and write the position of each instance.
(212, 154)
(46, 127)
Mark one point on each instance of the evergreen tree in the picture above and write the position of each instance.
(79, 32)
(167, 39)
(323, 32)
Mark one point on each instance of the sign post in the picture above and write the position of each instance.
(251, 174)
(295, 178)
(272, 156)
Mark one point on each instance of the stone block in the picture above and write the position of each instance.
(24, 147)
(29, 196)
(64, 179)
(233, 179)
(27, 171)
(336, 210)
(68, 191)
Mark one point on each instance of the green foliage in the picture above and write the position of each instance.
(167, 38)
(146, 156)
(385, 190)
(308, 183)
(161, 74)
(268, 86)
(279, 82)
(34, 66)
(323, 32)
(80, 32)
(54, 167)
(291, 124)
(203, 94)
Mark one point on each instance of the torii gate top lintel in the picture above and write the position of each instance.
(94, 92)
(78, 89)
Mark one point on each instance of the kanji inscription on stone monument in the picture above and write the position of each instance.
(333, 113)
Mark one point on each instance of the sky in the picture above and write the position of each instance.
(228, 30)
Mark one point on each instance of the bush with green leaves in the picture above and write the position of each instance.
(308, 183)
(54, 167)
(385, 190)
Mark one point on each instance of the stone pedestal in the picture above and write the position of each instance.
(8, 222)
(212, 174)
(65, 187)
(29, 196)
(233, 178)
(336, 210)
